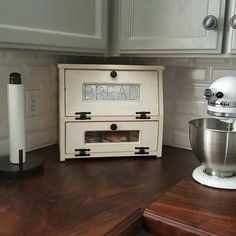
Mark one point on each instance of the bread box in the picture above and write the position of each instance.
(110, 110)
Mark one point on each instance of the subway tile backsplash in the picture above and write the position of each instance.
(39, 74)
(185, 80)
(184, 85)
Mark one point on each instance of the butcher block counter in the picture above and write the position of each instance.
(189, 208)
(111, 196)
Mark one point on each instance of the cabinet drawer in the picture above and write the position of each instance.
(102, 93)
(111, 137)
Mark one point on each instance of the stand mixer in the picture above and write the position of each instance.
(213, 140)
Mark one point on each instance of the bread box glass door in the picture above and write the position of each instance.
(111, 93)
(109, 137)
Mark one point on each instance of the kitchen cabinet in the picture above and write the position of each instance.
(58, 25)
(159, 27)
(231, 28)
(167, 26)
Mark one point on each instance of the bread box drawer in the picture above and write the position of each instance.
(111, 92)
(99, 139)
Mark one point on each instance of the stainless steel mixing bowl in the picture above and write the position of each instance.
(214, 145)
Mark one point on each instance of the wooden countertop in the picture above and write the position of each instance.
(89, 197)
(190, 208)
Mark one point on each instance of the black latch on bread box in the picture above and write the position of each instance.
(142, 150)
(83, 115)
(82, 152)
(143, 114)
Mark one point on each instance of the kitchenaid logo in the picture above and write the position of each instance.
(117, 92)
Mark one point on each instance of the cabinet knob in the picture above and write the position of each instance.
(232, 21)
(209, 22)
(113, 126)
(113, 74)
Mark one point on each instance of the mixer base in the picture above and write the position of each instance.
(212, 181)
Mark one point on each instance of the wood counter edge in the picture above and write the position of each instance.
(157, 224)
(189, 208)
(130, 225)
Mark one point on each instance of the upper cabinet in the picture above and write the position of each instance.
(231, 28)
(59, 25)
(169, 26)
(131, 27)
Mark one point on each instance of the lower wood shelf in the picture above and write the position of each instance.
(192, 209)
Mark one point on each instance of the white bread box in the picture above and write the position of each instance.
(110, 110)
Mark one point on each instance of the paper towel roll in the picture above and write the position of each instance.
(16, 118)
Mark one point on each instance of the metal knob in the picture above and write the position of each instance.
(232, 21)
(113, 74)
(208, 94)
(113, 126)
(209, 22)
(219, 95)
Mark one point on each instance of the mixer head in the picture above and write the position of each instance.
(221, 96)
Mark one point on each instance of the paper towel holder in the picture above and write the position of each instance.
(24, 165)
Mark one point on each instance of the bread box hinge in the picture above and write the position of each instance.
(142, 150)
(82, 115)
(142, 114)
(82, 152)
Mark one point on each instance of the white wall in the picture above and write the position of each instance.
(38, 73)
(184, 82)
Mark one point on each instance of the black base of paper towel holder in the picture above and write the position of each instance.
(32, 166)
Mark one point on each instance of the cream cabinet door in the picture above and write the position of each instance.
(231, 26)
(97, 92)
(169, 26)
(100, 138)
(62, 25)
